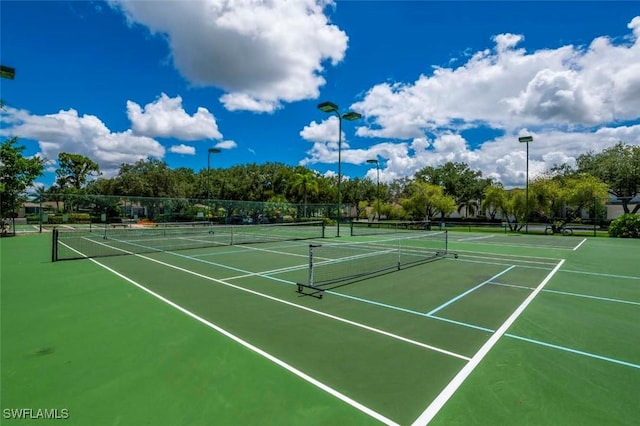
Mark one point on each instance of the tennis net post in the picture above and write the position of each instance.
(309, 289)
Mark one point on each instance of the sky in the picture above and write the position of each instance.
(120, 81)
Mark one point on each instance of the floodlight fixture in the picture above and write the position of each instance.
(351, 116)
(330, 107)
(7, 72)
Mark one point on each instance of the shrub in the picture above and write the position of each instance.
(71, 218)
(33, 218)
(625, 226)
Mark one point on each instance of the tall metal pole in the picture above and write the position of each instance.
(330, 107)
(378, 170)
(526, 208)
(339, 171)
(209, 152)
(526, 139)
(377, 163)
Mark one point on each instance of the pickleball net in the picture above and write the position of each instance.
(113, 241)
(335, 264)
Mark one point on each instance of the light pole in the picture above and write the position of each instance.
(209, 152)
(527, 140)
(329, 108)
(377, 163)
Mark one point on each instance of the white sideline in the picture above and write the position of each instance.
(578, 246)
(462, 375)
(286, 302)
(253, 348)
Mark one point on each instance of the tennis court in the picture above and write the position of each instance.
(483, 329)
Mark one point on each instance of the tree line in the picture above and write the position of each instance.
(431, 193)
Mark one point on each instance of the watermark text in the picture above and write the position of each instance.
(35, 413)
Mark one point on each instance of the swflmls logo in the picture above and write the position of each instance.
(35, 413)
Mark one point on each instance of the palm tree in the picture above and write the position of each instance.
(305, 183)
(469, 206)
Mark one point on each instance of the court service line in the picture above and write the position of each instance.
(305, 308)
(484, 237)
(541, 343)
(600, 274)
(244, 271)
(581, 243)
(536, 246)
(462, 375)
(251, 347)
(567, 293)
(460, 296)
(295, 305)
(574, 351)
(505, 263)
(517, 256)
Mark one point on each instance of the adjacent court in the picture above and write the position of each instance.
(289, 325)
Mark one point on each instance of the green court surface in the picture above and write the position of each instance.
(517, 329)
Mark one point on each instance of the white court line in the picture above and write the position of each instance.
(251, 347)
(600, 274)
(547, 247)
(484, 237)
(581, 243)
(295, 305)
(460, 296)
(457, 381)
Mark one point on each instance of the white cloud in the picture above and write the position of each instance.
(66, 131)
(325, 131)
(183, 149)
(226, 145)
(571, 99)
(262, 53)
(166, 118)
(509, 88)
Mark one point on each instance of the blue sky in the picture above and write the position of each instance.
(435, 81)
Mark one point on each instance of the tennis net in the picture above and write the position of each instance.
(333, 264)
(113, 241)
(377, 228)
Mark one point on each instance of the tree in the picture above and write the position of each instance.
(619, 168)
(74, 170)
(427, 200)
(356, 190)
(17, 173)
(514, 209)
(305, 183)
(560, 199)
(494, 200)
(458, 181)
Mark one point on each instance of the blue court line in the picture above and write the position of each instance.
(575, 351)
(373, 302)
(567, 293)
(458, 297)
(463, 324)
(538, 342)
